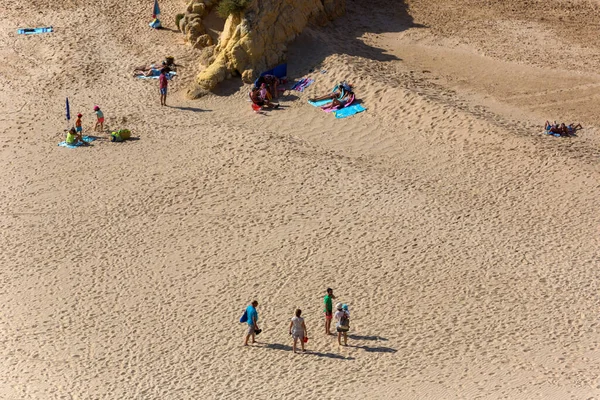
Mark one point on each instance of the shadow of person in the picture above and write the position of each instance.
(193, 109)
(369, 349)
(285, 347)
(359, 337)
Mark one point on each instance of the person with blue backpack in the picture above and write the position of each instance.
(250, 317)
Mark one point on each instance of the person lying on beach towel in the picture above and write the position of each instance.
(151, 70)
(340, 92)
(562, 129)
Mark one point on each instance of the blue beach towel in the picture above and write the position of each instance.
(34, 31)
(156, 74)
(86, 139)
(320, 103)
(547, 132)
(348, 111)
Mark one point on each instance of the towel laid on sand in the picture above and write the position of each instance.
(35, 31)
(320, 103)
(87, 139)
(302, 84)
(348, 111)
(156, 74)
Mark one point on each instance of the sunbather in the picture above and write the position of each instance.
(562, 129)
(572, 128)
(154, 69)
(343, 90)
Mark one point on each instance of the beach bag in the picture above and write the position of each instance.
(121, 135)
(244, 317)
(344, 325)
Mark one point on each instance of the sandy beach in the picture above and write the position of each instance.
(465, 241)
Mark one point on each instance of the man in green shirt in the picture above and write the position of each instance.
(328, 300)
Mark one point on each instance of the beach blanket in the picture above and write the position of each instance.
(156, 74)
(302, 84)
(552, 134)
(279, 71)
(34, 31)
(87, 139)
(320, 103)
(348, 111)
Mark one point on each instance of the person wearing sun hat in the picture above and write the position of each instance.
(342, 318)
(100, 121)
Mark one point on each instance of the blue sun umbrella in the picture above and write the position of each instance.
(155, 13)
(156, 10)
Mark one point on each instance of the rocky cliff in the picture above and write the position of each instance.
(252, 40)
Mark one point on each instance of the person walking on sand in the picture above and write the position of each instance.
(163, 83)
(328, 300)
(343, 323)
(253, 329)
(100, 121)
(298, 330)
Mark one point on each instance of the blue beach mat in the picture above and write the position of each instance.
(547, 132)
(34, 31)
(320, 103)
(156, 74)
(87, 139)
(348, 111)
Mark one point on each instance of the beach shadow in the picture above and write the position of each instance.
(285, 347)
(162, 28)
(229, 86)
(288, 97)
(193, 109)
(369, 349)
(345, 35)
(359, 337)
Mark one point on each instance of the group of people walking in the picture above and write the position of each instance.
(297, 327)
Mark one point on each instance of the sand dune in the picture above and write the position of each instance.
(464, 240)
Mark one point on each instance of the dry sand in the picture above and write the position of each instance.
(464, 240)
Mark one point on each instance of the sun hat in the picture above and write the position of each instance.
(345, 307)
(338, 306)
(79, 115)
(96, 108)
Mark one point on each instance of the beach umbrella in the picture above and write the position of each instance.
(156, 10)
(68, 110)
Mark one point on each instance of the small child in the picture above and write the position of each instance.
(100, 121)
(78, 126)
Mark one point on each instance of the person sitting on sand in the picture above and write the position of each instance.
(298, 330)
(272, 82)
(259, 100)
(74, 137)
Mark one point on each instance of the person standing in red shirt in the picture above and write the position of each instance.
(162, 84)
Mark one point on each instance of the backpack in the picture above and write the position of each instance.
(344, 325)
(244, 317)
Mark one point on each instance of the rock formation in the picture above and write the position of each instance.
(255, 39)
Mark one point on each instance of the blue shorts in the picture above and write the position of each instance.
(78, 128)
(163, 91)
